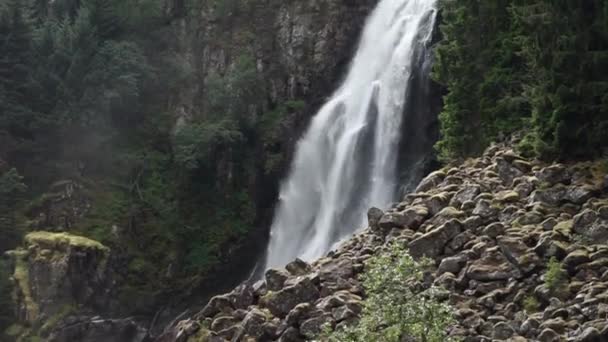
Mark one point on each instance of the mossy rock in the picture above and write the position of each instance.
(49, 240)
(564, 228)
(203, 335)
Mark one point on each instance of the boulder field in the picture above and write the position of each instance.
(520, 248)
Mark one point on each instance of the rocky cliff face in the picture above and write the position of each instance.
(499, 228)
(300, 49)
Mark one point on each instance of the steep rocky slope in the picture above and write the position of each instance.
(499, 229)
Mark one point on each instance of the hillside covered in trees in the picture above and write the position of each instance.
(162, 128)
(534, 66)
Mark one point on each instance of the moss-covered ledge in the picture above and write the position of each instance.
(54, 271)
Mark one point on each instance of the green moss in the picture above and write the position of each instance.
(556, 278)
(52, 321)
(202, 335)
(531, 304)
(57, 240)
(564, 228)
(22, 279)
(14, 330)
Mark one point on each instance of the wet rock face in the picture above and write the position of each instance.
(491, 227)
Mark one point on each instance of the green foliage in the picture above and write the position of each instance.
(196, 144)
(556, 278)
(531, 304)
(537, 66)
(393, 311)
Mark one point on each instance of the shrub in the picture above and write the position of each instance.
(393, 310)
(555, 278)
(531, 304)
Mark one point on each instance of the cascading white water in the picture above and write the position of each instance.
(347, 160)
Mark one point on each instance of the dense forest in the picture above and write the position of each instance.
(84, 92)
(538, 66)
(85, 87)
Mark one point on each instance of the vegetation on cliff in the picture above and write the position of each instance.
(538, 66)
(85, 93)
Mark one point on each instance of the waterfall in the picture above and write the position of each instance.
(346, 161)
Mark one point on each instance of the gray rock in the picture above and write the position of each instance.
(452, 264)
(253, 324)
(281, 302)
(553, 174)
(502, 331)
(275, 279)
(432, 243)
(298, 267)
(548, 335)
(506, 171)
(579, 194)
(485, 209)
(312, 327)
(467, 193)
(490, 267)
(373, 217)
(291, 334)
(494, 230)
(552, 196)
(590, 334)
(431, 181)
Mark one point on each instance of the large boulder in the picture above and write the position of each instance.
(432, 243)
(280, 303)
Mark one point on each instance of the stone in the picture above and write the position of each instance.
(506, 171)
(253, 323)
(551, 196)
(280, 303)
(275, 279)
(298, 313)
(58, 270)
(490, 267)
(217, 304)
(431, 181)
(437, 202)
(312, 327)
(548, 335)
(432, 243)
(508, 197)
(411, 217)
(242, 296)
(579, 194)
(222, 323)
(298, 267)
(553, 174)
(575, 258)
(502, 331)
(485, 209)
(516, 251)
(291, 334)
(494, 230)
(467, 193)
(452, 264)
(590, 334)
(373, 217)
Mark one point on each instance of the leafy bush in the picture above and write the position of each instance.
(556, 277)
(392, 310)
(531, 304)
(507, 67)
